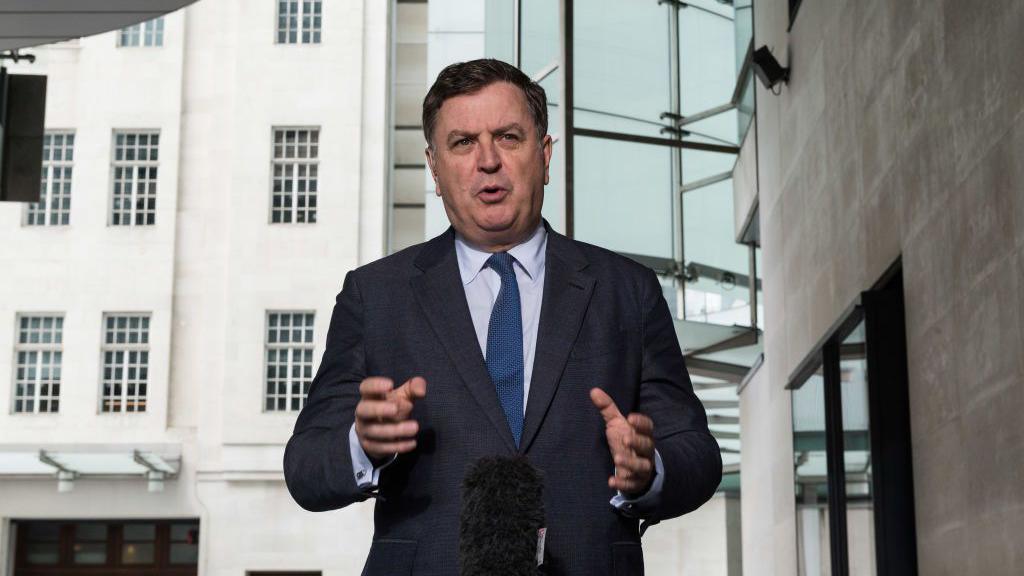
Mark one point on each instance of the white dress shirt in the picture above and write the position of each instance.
(482, 285)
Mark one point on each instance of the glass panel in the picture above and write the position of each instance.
(744, 33)
(42, 553)
(90, 552)
(621, 64)
(182, 553)
(709, 242)
(707, 66)
(539, 32)
(811, 478)
(137, 553)
(860, 526)
(499, 30)
(139, 532)
(620, 182)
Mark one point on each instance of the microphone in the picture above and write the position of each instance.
(502, 518)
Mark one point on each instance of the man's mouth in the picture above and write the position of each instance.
(491, 194)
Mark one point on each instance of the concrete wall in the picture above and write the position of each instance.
(900, 133)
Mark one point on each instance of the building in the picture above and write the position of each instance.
(210, 176)
(842, 249)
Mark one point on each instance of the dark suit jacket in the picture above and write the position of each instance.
(603, 322)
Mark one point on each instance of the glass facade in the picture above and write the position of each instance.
(649, 103)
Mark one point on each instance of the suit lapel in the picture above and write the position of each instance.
(440, 293)
(567, 292)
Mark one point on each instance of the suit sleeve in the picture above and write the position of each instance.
(691, 456)
(317, 460)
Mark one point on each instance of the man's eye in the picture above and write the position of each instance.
(509, 137)
(463, 142)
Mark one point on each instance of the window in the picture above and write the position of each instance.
(92, 547)
(133, 200)
(289, 360)
(54, 206)
(293, 195)
(149, 33)
(37, 363)
(852, 446)
(298, 21)
(125, 362)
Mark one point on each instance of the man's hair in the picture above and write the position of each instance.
(471, 77)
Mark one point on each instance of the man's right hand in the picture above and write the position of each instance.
(383, 422)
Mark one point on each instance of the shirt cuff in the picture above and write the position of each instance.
(647, 501)
(367, 477)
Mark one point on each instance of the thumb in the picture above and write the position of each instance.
(413, 389)
(605, 404)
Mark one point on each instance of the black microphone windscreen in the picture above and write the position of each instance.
(502, 510)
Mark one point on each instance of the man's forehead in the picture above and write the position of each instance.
(490, 107)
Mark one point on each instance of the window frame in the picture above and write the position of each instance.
(289, 349)
(156, 30)
(44, 208)
(881, 311)
(54, 347)
(132, 166)
(310, 213)
(143, 348)
(299, 14)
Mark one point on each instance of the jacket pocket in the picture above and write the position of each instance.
(627, 559)
(390, 557)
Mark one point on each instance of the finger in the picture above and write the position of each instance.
(641, 423)
(386, 448)
(403, 409)
(605, 404)
(390, 432)
(375, 387)
(376, 410)
(413, 389)
(642, 444)
(631, 486)
(630, 466)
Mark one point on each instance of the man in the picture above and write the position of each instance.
(500, 337)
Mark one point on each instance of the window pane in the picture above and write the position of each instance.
(618, 182)
(137, 553)
(42, 553)
(621, 62)
(811, 477)
(860, 527)
(183, 553)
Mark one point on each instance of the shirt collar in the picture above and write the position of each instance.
(529, 255)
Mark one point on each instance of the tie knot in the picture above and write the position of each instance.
(501, 262)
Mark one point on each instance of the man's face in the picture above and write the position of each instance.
(490, 165)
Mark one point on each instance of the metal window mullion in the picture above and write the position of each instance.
(295, 187)
(288, 377)
(37, 380)
(48, 191)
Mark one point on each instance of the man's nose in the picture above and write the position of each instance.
(488, 160)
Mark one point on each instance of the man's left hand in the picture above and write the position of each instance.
(631, 440)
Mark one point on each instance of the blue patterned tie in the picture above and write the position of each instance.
(505, 344)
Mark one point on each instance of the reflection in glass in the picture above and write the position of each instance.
(617, 185)
(184, 543)
(860, 528)
(811, 478)
(90, 546)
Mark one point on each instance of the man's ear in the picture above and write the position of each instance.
(429, 153)
(546, 149)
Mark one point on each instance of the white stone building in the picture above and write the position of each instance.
(246, 153)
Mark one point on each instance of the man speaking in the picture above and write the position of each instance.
(501, 337)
